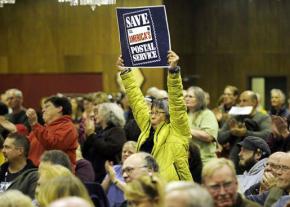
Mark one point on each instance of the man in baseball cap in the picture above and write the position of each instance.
(252, 158)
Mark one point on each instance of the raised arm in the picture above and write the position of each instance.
(9, 126)
(136, 99)
(177, 107)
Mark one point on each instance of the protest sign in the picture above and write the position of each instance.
(144, 36)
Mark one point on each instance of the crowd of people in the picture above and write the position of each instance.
(159, 149)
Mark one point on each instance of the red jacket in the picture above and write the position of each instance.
(60, 134)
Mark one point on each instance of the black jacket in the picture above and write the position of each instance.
(25, 182)
(105, 144)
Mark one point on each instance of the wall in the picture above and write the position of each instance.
(224, 42)
(46, 37)
(37, 86)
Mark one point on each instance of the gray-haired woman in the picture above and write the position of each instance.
(202, 121)
(105, 141)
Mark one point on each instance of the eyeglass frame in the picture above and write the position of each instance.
(283, 167)
(156, 112)
(129, 170)
(273, 166)
(217, 187)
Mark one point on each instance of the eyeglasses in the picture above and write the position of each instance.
(272, 165)
(129, 170)
(283, 167)
(217, 187)
(156, 112)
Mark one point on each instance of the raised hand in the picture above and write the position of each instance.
(7, 124)
(110, 171)
(172, 59)
(89, 127)
(32, 116)
(120, 63)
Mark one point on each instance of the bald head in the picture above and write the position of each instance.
(14, 98)
(277, 156)
(70, 202)
(138, 164)
(273, 162)
(248, 98)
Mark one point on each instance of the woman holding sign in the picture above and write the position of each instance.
(165, 132)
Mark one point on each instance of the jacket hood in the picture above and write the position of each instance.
(63, 119)
(260, 165)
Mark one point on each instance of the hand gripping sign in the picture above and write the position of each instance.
(144, 36)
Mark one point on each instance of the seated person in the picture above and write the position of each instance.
(15, 150)
(253, 157)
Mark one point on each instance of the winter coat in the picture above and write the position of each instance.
(105, 144)
(25, 182)
(60, 134)
(171, 140)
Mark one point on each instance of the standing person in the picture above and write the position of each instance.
(58, 133)
(278, 104)
(202, 122)
(165, 131)
(106, 141)
(18, 111)
(228, 99)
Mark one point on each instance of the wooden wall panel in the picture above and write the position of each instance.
(226, 41)
(48, 37)
(37, 86)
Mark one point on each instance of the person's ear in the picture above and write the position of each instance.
(60, 109)
(258, 154)
(21, 150)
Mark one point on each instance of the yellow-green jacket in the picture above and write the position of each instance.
(170, 139)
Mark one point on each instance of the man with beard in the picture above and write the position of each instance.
(253, 157)
(219, 178)
(238, 127)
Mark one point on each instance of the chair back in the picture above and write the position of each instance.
(97, 194)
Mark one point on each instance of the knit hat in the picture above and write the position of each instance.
(254, 143)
